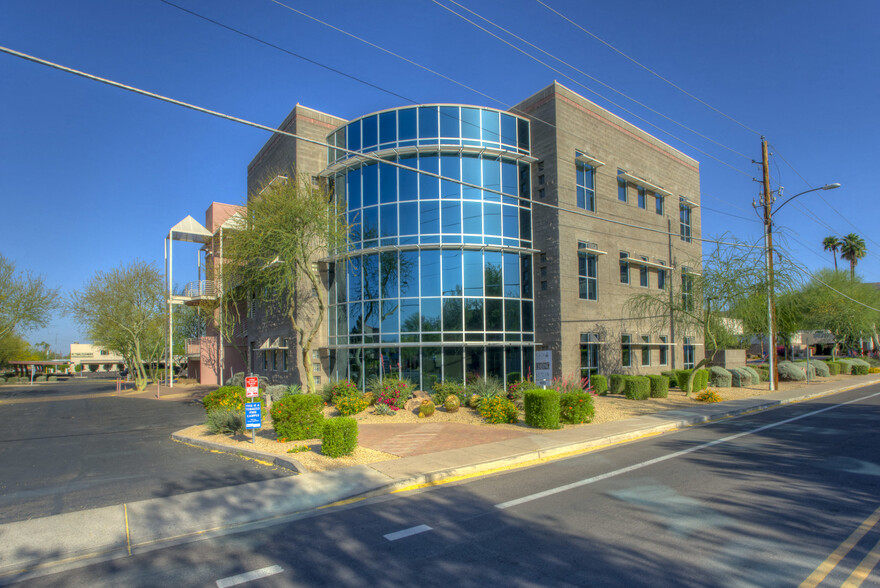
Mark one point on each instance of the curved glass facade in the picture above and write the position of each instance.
(439, 285)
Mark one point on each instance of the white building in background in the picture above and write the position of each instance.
(94, 358)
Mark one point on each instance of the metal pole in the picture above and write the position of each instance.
(768, 235)
(169, 373)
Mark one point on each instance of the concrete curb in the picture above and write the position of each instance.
(277, 460)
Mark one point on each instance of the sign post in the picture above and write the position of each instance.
(252, 418)
(543, 367)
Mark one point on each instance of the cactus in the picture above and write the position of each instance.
(473, 401)
(426, 409)
(452, 403)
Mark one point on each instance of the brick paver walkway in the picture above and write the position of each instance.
(418, 439)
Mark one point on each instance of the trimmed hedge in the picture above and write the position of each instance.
(616, 383)
(576, 408)
(701, 380)
(739, 378)
(298, 416)
(339, 436)
(720, 377)
(790, 372)
(833, 367)
(542, 408)
(821, 368)
(681, 378)
(659, 386)
(763, 372)
(756, 378)
(637, 388)
(600, 384)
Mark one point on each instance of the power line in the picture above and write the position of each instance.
(648, 69)
(832, 288)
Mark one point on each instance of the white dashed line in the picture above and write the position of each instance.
(249, 576)
(407, 532)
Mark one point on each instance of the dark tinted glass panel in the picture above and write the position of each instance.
(452, 314)
(453, 364)
(508, 129)
(451, 218)
(409, 316)
(494, 315)
(511, 275)
(354, 189)
(409, 364)
(428, 122)
(431, 314)
(389, 274)
(526, 280)
(429, 219)
(371, 185)
(525, 183)
(471, 174)
(409, 218)
(370, 222)
(388, 220)
(495, 362)
(513, 361)
(493, 273)
(388, 183)
(473, 273)
(473, 217)
(449, 121)
(527, 316)
(354, 278)
(511, 315)
(432, 366)
(523, 134)
(429, 185)
(388, 127)
(451, 273)
(371, 276)
(473, 361)
(409, 180)
(406, 120)
(470, 123)
(342, 319)
(371, 317)
(511, 221)
(525, 224)
(354, 136)
(490, 126)
(430, 272)
(492, 218)
(473, 314)
(409, 273)
(371, 131)
(355, 366)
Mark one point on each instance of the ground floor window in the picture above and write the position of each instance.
(664, 350)
(589, 354)
(688, 353)
(626, 350)
(646, 350)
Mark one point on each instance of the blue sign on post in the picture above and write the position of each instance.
(252, 418)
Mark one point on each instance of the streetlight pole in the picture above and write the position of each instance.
(767, 202)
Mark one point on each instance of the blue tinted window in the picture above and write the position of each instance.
(428, 122)
(354, 136)
(490, 126)
(493, 273)
(451, 219)
(390, 317)
(508, 178)
(409, 274)
(354, 278)
(511, 221)
(406, 120)
(371, 131)
(429, 186)
(388, 220)
(371, 317)
(452, 314)
(355, 325)
(451, 273)
(471, 174)
(371, 185)
(354, 189)
(409, 180)
(388, 182)
(429, 218)
(354, 221)
(492, 219)
(470, 123)
(370, 267)
(508, 130)
(370, 222)
(409, 316)
(492, 178)
(430, 272)
(449, 121)
(511, 315)
(449, 168)
(473, 273)
(430, 314)
(389, 274)
(511, 275)
(388, 127)
(473, 314)
(409, 218)
(473, 217)
(525, 183)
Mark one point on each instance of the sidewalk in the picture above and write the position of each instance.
(59, 542)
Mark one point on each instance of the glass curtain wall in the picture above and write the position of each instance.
(439, 282)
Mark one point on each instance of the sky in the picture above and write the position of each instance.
(93, 177)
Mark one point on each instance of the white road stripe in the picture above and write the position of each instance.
(407, 532)
(249, 576)
(650, 462)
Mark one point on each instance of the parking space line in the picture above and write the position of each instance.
(407, 532)
(249, 576)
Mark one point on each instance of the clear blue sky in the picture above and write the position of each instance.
(93, 177)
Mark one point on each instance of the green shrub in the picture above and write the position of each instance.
(872, 361)
(351, 404)
(576, 407)
(763, 372)
(276, 391)
(672, 375)
(12, 380)
(53, 379)
(542, 408)
(498, 409)
(820, 367)
(681, 378)
(720, 377)
(443, 389)
(339, 436)
(485, 388)
(383, 410)
(600, 384)
(740, 378)
(294, 389)
(391, 391)
(298, 416)
(701, 380)
(225, 421)
(513, 378)
(227, 397)
(234, 380)
(616, 383)
(833, 367)
(331, 392)
(43, 378)
(756, 378)
(845, 366)
(809, 368)
(659, 386)
(791, 372)
(637, 388)
(515, 390)
(860, 370)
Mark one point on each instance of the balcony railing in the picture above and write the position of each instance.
(201, 289)
(193, 347)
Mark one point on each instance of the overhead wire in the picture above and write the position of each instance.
(823, 283)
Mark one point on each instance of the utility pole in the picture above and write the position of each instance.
(771, 294)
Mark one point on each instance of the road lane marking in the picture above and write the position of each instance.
(656, 460)
(407, 532)
(249, 576)
(127, 528)
(842, 550)
(865, 567)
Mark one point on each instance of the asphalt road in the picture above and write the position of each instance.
(61, 455)
(760, 500)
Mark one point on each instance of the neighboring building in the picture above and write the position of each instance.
(95, 358)
(559, 211)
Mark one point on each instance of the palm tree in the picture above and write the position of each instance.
(831, 244)
(852, 249)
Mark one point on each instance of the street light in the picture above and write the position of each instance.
(768, 244)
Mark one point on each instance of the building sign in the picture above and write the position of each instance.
(252, 417)
(252, 386)
(543, 367)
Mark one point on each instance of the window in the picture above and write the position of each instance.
(687, 289)
(643, 274)
(589, 354)
(316, 354)
(316, 368)
(541, 193)
(588, 286)
(541, 179)
(543, 284)
(658, 204)
(265, 360)
(688, 353)
(621, 188)
(664, 350)
(624, 267)
(586, 195)
(626, 350)
(274, 360)
(646, 350)
(284, 354)
(685, 218)
(643, 198)
(661, 275)
(317, 380)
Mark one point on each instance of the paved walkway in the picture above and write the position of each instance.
(418, 439)
(50, 544)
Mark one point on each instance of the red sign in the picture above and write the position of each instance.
(251, 386)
